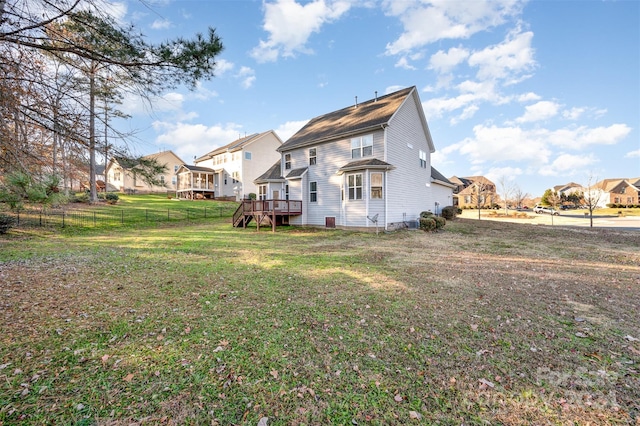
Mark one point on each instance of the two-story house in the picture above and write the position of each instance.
(120, 174)
(474, 192)
(230, 170)
(363, 166)
(619, 191)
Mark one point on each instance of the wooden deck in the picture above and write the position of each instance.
(265, 212)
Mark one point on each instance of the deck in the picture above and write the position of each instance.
(266, 212)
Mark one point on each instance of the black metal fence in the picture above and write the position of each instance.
(115, 217)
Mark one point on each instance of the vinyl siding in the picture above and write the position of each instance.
(408, 186)
(330, 157)
(263, 155)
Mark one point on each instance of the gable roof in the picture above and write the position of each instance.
(372, 163)
(273, 174)
(364, 116)
(438, 177)
(236, 145)
(197, 168)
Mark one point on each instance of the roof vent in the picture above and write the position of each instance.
(356, 105)
(376, 99)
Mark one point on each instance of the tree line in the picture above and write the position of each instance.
(65, 66)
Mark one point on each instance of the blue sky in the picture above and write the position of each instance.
(540, 93)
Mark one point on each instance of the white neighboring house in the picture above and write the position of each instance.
(363, 166)
(229, 171)
(120, 178)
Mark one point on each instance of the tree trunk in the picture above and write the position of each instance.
(93, 193)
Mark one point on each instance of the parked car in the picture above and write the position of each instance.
(547, 210)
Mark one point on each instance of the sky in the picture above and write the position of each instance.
(532, 93)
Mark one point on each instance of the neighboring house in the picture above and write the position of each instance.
(119, 176)
(474, 192)
(618, 191)
(364, 166)
(567, 189)
(229, 171)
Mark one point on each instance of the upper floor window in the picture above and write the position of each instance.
(312, 156)
(376, 185)
(175, 168)
(287, 161)
(423, 159)
(313, 192)
(354, 183)
(162, 179)
(362, 146)
(247, 155)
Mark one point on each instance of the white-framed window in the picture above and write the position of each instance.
(247, 155)
(262, 192)
(423, 159)
(287, 161)
(116, 176)
(312, 156)
(174, 180)
(175, 168)
(235, 177)
(313, 192)
(226, 176)
(286, 191)
(354, 184)
(467, 199)
(162, 179)
(376, 185)
(362, 146)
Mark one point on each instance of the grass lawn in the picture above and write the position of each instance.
(484, 322)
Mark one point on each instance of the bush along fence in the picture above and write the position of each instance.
(113, 217)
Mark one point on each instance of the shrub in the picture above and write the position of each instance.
(80, 198)
(111, 197)
(449, 212)
(427, 224)
(426, 214)
(252, 195)
(440, 222)
(6, 223)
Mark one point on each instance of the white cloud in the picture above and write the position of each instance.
(223, 66)
(193, 140)
(286, 130)
(404, 63)
(471, 94)
(506, 60)
(528, 97)
(247, 76)
(573, 113)
(161, 24)
(494, 144)
(426, 22)
(539, 111)
(567, 164)
(495, 174)
(442, 61)
(135, 105)
(290, 25)
(633, 154)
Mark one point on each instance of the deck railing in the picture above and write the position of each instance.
(279, 207)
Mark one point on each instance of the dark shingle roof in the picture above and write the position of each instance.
(436, 175)
(349, 120)
(270, 175)
(198, 168)
(372, 163)
(296, 173)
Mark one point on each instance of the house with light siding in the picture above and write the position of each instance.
(363, 166)
(230, 170)
(120, 175)
(474, 192)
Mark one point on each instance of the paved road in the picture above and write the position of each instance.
(631, 223)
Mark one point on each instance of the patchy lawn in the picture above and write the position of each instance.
(205, 324)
